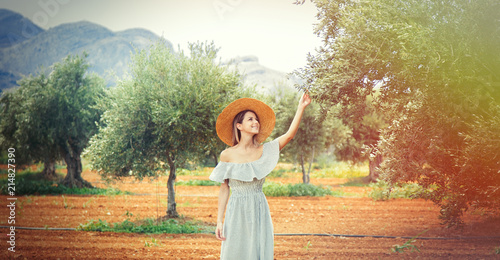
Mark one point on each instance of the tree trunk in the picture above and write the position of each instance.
(74, 171)
(374, 171)
(305, 178)
(215, 157)
(310, 166)
(49, 169)
(171, 205)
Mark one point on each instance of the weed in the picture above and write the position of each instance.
(308, 245)
(66, 204)
(64, 201)
(95, 226)
(496, 250)
(407, 245)
(88, 202)
(154, 242)
(128, 214)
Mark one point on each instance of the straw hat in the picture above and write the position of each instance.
(224, 125)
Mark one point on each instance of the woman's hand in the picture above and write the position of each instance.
(305, 100)
(218, 232)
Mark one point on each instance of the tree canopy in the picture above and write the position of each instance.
(310, 138)
(431, 68)
(52, 117)
(164, 114)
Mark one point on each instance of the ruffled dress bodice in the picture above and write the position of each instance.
(248, 171)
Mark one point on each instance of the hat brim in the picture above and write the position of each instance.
(267, 119)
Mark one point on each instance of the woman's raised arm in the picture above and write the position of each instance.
(305, 100)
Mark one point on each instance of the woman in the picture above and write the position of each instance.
(247, 230)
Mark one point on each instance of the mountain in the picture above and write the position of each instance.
(266, 80)
(15, 28)
(25, 47)
(108, 52)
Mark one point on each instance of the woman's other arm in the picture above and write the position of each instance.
(223, 197)
(305, 100)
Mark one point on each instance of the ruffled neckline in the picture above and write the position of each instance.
(256, 161)
(247, 171)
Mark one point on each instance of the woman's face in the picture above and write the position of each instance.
(250, 123)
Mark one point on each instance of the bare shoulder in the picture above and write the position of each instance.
(225, 156)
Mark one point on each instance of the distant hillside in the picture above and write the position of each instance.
(265, 79)
(109, 52)
(25, 47)
(14, 28)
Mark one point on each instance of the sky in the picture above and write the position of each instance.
(278, 32)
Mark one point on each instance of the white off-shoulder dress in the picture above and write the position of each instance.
(248, 227)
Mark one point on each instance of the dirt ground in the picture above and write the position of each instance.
(295, 219)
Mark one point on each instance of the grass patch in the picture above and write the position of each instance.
(199, 172)
(283, 173)
(273, 189)
(356, 182)
(332, 170)
(30, 183)
(340, 193)
(381, 190)
(197, 183)
(341, 170)
(148, 226)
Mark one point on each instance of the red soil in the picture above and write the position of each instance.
(478, 239)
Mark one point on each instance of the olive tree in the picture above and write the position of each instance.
(310, 138)
(24, 124)
(431, 68)
(163, 115)
(51, 117)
